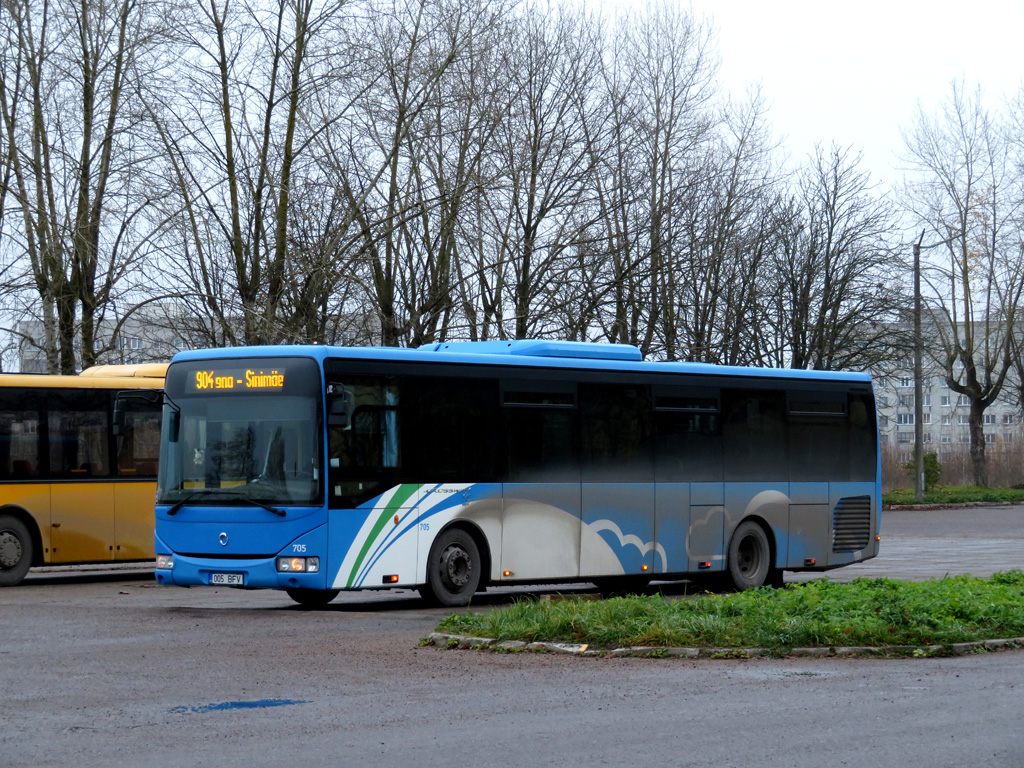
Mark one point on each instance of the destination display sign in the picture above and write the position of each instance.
(236, 380)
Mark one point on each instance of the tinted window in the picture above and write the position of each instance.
(819, 446)
(79, 429)
(19, 435)
(689, 435)
(754, 435)
(138, 445)
(540, 438)
(615, 422)
(456, 429)
(862, 436)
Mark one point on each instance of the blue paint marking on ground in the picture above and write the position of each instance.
(261, 704)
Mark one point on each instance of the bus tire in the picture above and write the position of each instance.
(312, 598)
(453, 569)
(15, 550)
(749, 556)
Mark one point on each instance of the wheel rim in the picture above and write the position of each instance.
(456, 567)
(749, 555)
(10, 549)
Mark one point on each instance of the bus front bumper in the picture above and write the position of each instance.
(189, 571)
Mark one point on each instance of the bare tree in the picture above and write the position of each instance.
(406, 160)
(67, 70)
(714, 309)
(966, 194)
(231, 129)
(659, 88)
(838, 293)
(544, 160)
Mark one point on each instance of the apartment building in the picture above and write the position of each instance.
(945, 416)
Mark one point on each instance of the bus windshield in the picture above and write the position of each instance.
(241, 446)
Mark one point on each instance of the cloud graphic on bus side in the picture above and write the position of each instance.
(632, 540)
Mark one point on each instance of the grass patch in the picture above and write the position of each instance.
(956, 494)
(874, 612)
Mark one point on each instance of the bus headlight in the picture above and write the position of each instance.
(298, 564)
(165, 562)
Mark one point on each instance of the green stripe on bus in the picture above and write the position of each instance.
(401, 495)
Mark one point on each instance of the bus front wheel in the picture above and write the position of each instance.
(453, 569)
(15, 550)
(313, 597)
(749, 556)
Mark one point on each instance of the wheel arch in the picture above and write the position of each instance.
(29, 521)
(477, 534)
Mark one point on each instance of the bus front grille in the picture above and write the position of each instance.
(851, 524)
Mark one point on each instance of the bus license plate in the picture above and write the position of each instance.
(231, 579)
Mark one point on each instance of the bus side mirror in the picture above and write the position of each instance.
(173, 425)
(339, 409)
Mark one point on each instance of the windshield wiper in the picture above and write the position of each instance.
(210, 492)
(174, 509)
(275, 510)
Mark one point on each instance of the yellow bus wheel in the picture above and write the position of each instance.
(15, 550)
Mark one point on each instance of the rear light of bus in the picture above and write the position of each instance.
(298, 564)
(165, 562)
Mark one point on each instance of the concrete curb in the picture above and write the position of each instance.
(464, 642)
(914, 507)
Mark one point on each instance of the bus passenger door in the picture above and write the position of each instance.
(540, 520)
(617, 460)
(82, 494)
(688, 470)
(135, 496)
(134, 520)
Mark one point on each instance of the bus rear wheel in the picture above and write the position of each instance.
(453, 569)
(312, 597)
(15, 550)
(749, 556)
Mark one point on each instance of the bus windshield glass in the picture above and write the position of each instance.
(241, 432)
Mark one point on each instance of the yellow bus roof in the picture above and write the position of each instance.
(138, 376)
(136, 370)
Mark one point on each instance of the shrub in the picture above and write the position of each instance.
(932, 470)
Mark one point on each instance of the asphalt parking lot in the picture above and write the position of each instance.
(106, 667)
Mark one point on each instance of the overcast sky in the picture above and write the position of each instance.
(855, 72)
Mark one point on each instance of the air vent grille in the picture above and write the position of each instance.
(851, 524)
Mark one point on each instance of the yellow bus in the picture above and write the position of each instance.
(70, 490)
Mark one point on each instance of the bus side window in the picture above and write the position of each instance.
(818, 436)
(688, 429)
(754, 435)
(138, 446)
(19, 435)
(863, 451)
(539, 420)
(78, 424)
(366, 454)
(456, 429)
(615, 420)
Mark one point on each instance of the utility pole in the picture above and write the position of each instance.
(918, 384)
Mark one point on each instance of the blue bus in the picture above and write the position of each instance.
(456, 466)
